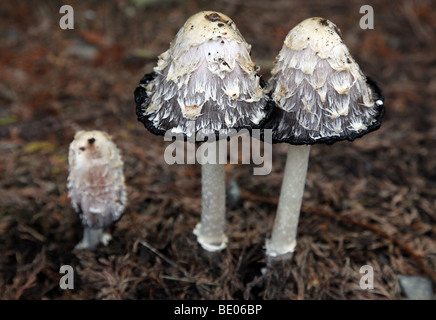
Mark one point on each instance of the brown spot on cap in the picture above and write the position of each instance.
(214, 17)
(324, 22)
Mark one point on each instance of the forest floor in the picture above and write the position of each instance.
(371, 202)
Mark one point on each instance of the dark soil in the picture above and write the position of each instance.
(370, 202)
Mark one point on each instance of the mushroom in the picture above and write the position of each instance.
(96, 185)
(205, 87)
(322, 96)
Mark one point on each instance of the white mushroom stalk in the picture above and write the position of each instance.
(284, 236)
(322, 96)
(96, 185)
(210, 231)
(92, 237)
(204, 85)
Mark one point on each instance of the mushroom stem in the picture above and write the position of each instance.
(91, 238)
(284, 234)
(210, 231)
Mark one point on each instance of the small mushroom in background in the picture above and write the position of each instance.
(204, 85)
(96, 185)
(322, 96)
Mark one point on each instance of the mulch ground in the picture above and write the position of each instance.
(370, 202)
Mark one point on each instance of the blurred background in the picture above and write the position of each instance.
(370, 202)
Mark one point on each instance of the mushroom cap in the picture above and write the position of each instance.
(320, 92)
(205, 83)
(96, 180)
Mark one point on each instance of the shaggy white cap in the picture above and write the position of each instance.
(320, 88)
(206, 77)
(96, 181)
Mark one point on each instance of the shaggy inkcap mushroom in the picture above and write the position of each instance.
(96, 185)
(204, 87)
(206, 77)
(322, 96)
